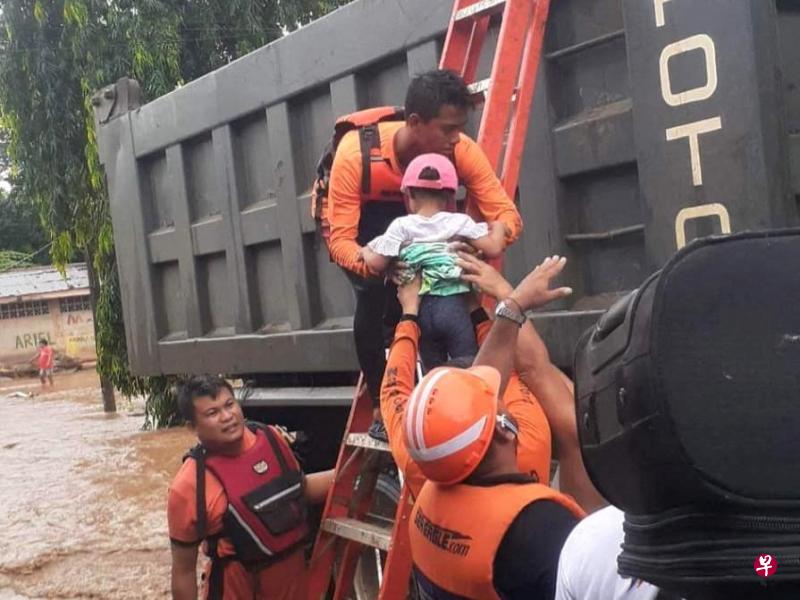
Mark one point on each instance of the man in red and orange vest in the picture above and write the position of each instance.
(359, 209)
(480, 528)
(242, 494)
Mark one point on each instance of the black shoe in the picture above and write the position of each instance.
(377, 431)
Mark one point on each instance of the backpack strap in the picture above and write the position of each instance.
(202, 516)
(320, 188)
(276, 448)
(369, 139)
(198, 453)
(216, 577)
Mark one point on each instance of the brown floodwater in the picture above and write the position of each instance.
(82, 494)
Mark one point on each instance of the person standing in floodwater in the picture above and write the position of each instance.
(45, 362)
(242, 494)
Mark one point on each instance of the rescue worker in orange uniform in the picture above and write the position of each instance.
(436, 112)
(480, 528)
(548, 384)
(535, 438)
(242, 494)
(536, 414)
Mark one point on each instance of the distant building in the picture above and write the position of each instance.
(40, 303)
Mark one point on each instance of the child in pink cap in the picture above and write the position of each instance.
(422, 241)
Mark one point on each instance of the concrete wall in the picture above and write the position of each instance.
(70, 333)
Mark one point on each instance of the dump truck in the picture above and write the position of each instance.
(654, 122)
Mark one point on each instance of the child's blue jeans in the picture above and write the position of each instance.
(446, 328)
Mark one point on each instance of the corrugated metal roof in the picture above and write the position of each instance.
(42, 280)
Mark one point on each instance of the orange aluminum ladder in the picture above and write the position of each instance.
(507, 94)
(345, 529)
(508, 91)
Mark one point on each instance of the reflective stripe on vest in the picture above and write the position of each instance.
(455, 532)
(265, 518)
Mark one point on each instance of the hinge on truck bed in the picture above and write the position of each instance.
(117, 99)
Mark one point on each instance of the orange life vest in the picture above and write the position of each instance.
(378, 181)
(455, 532)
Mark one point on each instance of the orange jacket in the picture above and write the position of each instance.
(455, 531)
(534, 441)
(345, 197)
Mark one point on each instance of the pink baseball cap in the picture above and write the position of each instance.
(447, 180)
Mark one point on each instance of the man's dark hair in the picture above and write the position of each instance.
(429, 92)
(197, 387)
(43, 341)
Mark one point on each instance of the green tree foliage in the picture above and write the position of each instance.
(11, 259)
(53, 55)
(20, 231)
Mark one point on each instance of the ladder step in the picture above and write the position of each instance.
(364, 440)
(479, 87)
(367, 534)
(479, 9)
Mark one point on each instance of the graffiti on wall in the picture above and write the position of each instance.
(31, 340)
(75, 342)
(78, 319)
(70, 333)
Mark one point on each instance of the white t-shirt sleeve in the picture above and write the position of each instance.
(471, 230)
(564, 586)
(389, 243)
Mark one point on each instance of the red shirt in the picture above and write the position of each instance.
(46, 357)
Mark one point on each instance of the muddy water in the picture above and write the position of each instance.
(82, 495)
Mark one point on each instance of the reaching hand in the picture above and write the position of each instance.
(398, 273)
(408, 295)
(486, 277)
(534, 291)
(376, 263)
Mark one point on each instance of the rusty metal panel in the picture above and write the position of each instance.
(219, 263)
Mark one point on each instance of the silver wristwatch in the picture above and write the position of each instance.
(505, 311)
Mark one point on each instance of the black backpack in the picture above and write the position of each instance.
(688, 409)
